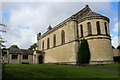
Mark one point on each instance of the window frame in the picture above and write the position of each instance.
(54, 40)
(62, 37)
(43, 45)
(89, 27)
(98, 28)
(48, 43)
(106, 29)
(14, 56)
(81, 30)
(25, 57)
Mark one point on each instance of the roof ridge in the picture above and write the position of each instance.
(69, 18)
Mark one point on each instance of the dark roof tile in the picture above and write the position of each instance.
(20, 51)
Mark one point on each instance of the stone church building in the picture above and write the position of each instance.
(60, 44)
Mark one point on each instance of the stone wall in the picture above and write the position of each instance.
(116, 52)
(61, 52)
(14, 61)
(93, 26)
(19, 60)
(65, 53)
(99, 45)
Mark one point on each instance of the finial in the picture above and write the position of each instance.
(86, 5)
(49, 28)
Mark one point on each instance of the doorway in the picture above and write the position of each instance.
(40, 59)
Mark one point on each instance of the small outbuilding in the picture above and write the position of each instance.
(17, 56)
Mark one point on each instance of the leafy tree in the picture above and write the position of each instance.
(118, 47)
(14, 46)
(33, 46)
(4, 51)
(83, 53)
(113, 47)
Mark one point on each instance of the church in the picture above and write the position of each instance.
(60, 44)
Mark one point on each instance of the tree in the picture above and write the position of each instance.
(4, 51)
(83, 53)
(118, 47)
(113, 47)
(33, 46)
(14, 46)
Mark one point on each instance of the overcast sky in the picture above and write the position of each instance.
(25, 19)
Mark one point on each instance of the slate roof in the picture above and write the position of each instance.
(86, 12)
(93, 14)
(20, 51)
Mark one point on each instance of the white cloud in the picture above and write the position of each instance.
(115, 41)
(116, 28)
(27, 19)
(60, 0)
(0, 12)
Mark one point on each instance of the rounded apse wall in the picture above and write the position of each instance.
(96, 32)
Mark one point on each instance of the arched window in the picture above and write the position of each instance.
(54, 40)
(81, 30)
(48, 43)
(89, 29)
(43, 45)
(106, 28)
(63, 37)
(98, 27)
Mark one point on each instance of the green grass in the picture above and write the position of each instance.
(53, 71)
(114, 67)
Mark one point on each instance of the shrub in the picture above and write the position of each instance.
(83, 53)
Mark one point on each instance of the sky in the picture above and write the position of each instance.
(25, 19)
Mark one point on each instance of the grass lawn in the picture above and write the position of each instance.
(114, 67)
(54, 71)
